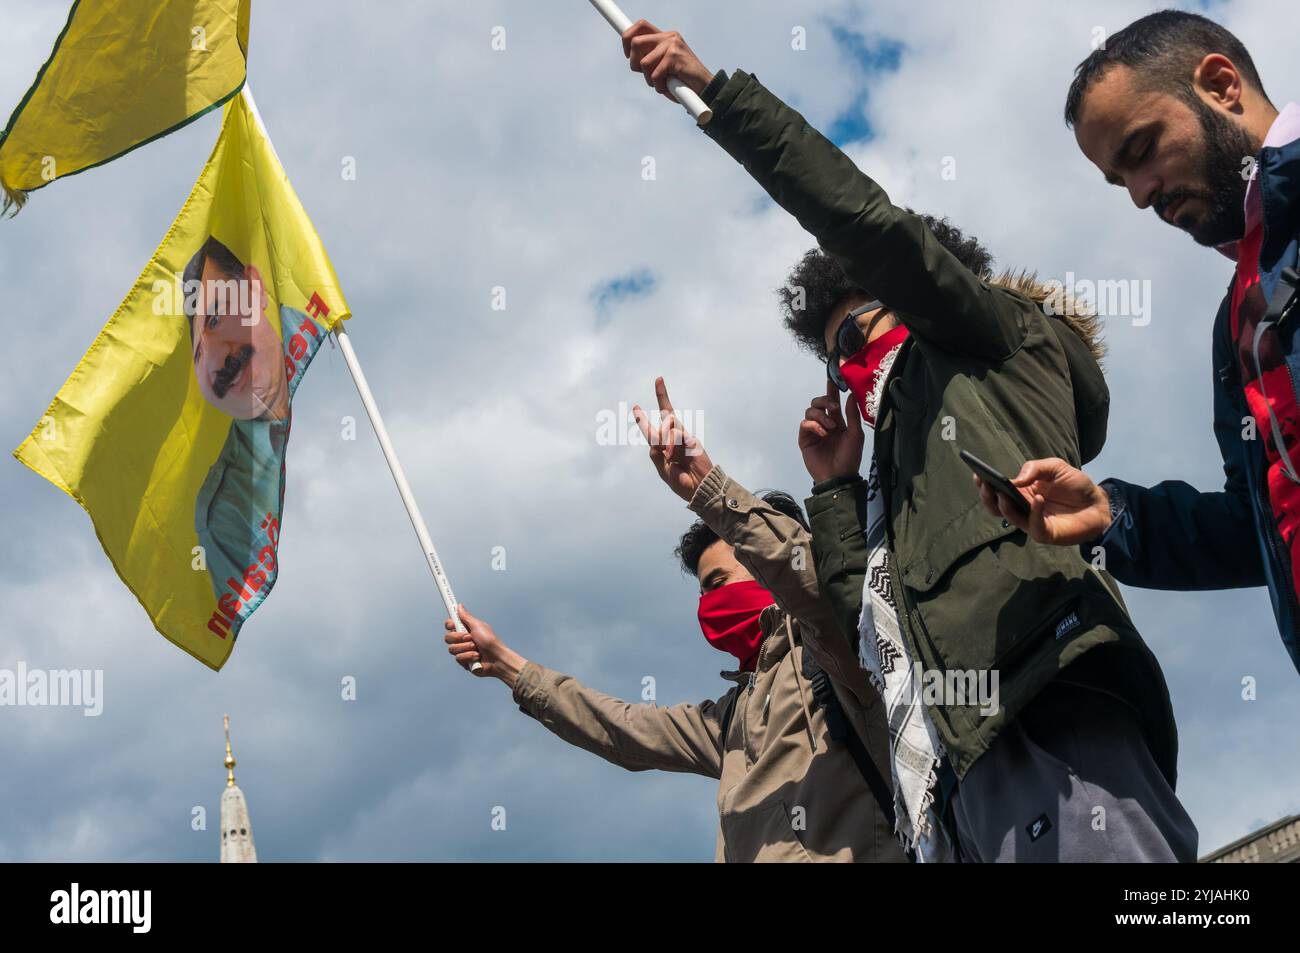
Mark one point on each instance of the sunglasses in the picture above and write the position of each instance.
(849, 339)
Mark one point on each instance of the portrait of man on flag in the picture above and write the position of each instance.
(247, 369)
(237, 359)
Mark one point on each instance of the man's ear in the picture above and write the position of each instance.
(1218, 81)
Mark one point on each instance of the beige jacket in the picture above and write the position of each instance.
(786, 791)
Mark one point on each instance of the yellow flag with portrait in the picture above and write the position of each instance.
(172, 430)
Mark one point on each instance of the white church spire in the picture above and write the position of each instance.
(236, 830)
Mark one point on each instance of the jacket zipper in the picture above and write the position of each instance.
(744, 717)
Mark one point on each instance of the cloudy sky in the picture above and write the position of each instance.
(522, 169)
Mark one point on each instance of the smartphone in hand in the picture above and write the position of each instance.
(999, 483)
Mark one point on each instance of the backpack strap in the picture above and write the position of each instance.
(841, 729)
(1283, 296)
(1279, 303)
(726, 709)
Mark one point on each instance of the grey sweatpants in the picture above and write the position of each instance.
(1072, 781)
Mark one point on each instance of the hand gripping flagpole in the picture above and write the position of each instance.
(399, 477)
(681, 92)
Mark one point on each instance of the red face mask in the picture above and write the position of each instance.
(729, 619)
(862, 371)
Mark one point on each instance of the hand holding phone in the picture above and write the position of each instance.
(999, 483)
(1065, 507)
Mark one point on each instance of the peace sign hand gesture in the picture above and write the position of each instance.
(677, 456)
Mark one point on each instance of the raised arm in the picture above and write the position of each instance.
(639, 737)
(887, 250)
(773, 547)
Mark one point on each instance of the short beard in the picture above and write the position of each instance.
(1226, 145)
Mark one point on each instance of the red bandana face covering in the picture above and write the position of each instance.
(729, 619)
(866, 370)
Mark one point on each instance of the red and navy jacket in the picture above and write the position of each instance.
(1173, 536)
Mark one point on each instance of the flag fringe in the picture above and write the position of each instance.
(14, 200)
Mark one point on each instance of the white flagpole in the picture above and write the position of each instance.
(681, 92)
(376, 421)
(399, 477)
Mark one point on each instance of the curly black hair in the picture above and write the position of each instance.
(817, 284)
(698, 537)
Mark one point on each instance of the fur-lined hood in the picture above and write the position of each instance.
(1079, 333)
(1056, 302)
